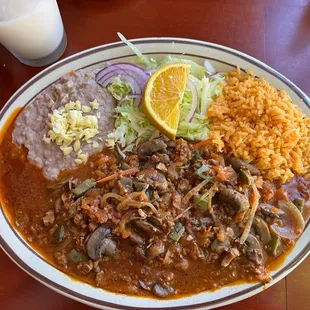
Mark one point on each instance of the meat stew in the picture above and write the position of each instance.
(148, 223)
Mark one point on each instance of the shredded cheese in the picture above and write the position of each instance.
(69, 126)
(94, 105)
(86, 108)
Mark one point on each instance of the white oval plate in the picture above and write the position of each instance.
(222, 58)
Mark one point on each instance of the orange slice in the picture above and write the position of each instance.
(163, 95)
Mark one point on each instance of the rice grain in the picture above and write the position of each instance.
(254, 121)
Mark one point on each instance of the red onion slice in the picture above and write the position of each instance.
(114, 73)
(194, 92)
(292, 223)
(214, 73)
(135, 86)
(137, 73)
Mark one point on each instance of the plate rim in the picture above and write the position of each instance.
(232, 51)
(90, 300)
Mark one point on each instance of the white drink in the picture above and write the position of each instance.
(31, 29)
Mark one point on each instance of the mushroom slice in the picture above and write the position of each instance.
(144, 285)
(150, 147)
(100, 244)
(237, 201)
(161, 291)
(244, 177)
(136, 238)
(59, 234)
(220, 246)
(147, 227)
(254, 250)
(156, 249)
(291, 224)
(230, 256)
(253, 243)
(239, 164)
(270, 210)
(125, 185)
(262, 230)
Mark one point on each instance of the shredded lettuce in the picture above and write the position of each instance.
(131, 126)
(147, 63)
(143, 61)
(196, 70)
(197, 129)
(130, 45)
(208, 90)
(118, 88)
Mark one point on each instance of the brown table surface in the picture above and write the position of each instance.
(274, 31)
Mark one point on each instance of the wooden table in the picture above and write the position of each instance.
(275, 31)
